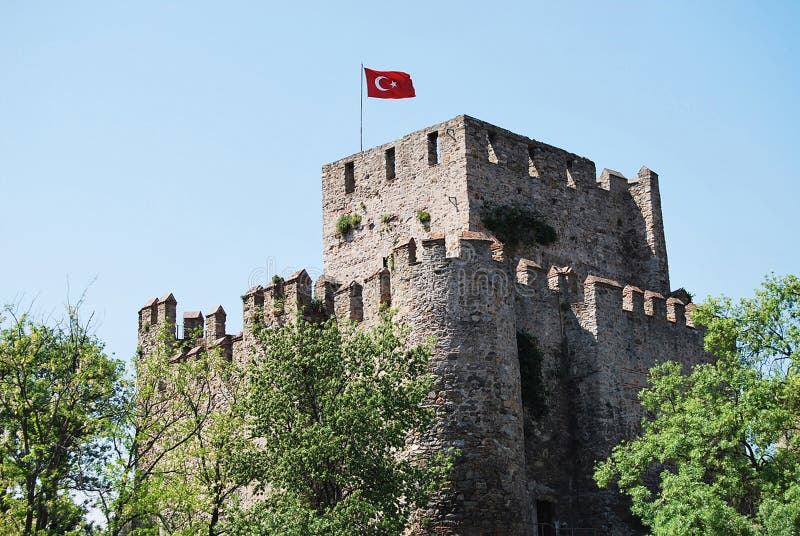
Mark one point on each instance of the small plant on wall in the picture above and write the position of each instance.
(424, 218)
(346, 223)
(387, 220)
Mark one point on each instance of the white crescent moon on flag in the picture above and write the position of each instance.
(378, 84)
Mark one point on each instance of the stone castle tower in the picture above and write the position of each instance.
(540, 350)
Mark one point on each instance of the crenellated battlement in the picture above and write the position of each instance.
(608, 297)
(453, 171)
(401, 161)
(157, 323)
(362, 300)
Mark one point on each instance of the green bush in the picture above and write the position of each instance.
(424, 218)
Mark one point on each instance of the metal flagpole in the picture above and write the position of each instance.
(361, 102)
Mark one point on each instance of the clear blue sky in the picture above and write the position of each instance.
(176, 146)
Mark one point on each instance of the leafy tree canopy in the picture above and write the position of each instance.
(719, 451)
(61, 397)
(332, 409)
(173, 473)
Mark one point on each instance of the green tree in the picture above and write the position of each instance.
(173, 472)
(330, 409)
(61, 397)
(719, 451)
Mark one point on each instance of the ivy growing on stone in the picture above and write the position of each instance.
(517, 225)
(316, 308)
(189, 340)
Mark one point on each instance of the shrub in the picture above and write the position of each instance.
(424, 218)
(346, 223)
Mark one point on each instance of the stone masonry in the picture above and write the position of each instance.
(595, 305)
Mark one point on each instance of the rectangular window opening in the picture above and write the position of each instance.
(570, 178)
(433, 148)
(544, 518)
(391, 172)
(491, 140)
(349, 177)
(532, 171)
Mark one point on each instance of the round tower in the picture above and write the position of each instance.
(466, 304)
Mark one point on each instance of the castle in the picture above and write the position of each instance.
(541, 346)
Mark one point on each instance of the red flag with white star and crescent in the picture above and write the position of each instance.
(389, 84)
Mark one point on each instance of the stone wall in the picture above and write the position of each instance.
(597, 356)
(608, 224)
(389, 203)
(465, 304)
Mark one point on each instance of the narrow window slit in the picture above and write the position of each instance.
(570, 178)
(349, 178)
(433, 149)
(491, 140)
(532, 171)
(391, 172)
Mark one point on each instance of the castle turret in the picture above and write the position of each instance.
(447, 180)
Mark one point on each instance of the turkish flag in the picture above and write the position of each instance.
(389, 84)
